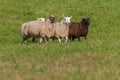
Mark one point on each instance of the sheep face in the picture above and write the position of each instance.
(67, 20)
(86, 21)
(52, 18)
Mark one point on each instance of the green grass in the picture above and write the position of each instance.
(94, 59)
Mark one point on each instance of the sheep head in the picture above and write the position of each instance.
(52, 18)
(86, 21)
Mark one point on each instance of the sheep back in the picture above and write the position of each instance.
(74, 29)
(60, 29)
(32, 28)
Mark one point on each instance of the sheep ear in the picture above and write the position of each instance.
(89, 18)
(62, 16)
(52, 15)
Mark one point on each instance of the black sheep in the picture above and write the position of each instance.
(79, 29)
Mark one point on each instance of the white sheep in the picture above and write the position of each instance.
(61, 28)
(37, 29)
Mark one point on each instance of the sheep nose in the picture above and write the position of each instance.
(68, 23)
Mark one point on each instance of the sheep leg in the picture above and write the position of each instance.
(33, 39)
(24, 40)
(59, 39)
(45, 39)
(66, 39)
(53, 39)
(69, 38)
(79, 38)
(85, 37)
(72, 38)
(41, 40)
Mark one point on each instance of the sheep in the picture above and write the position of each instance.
(52, 19)
(41, 19)
(79, 29)
(37, 29)
(61, 29)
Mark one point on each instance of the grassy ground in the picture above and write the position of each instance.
(94, 59)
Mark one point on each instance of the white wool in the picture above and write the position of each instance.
(41, 19)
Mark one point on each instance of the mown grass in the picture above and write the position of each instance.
(94, 59)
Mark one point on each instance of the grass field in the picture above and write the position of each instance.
(94, 59)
